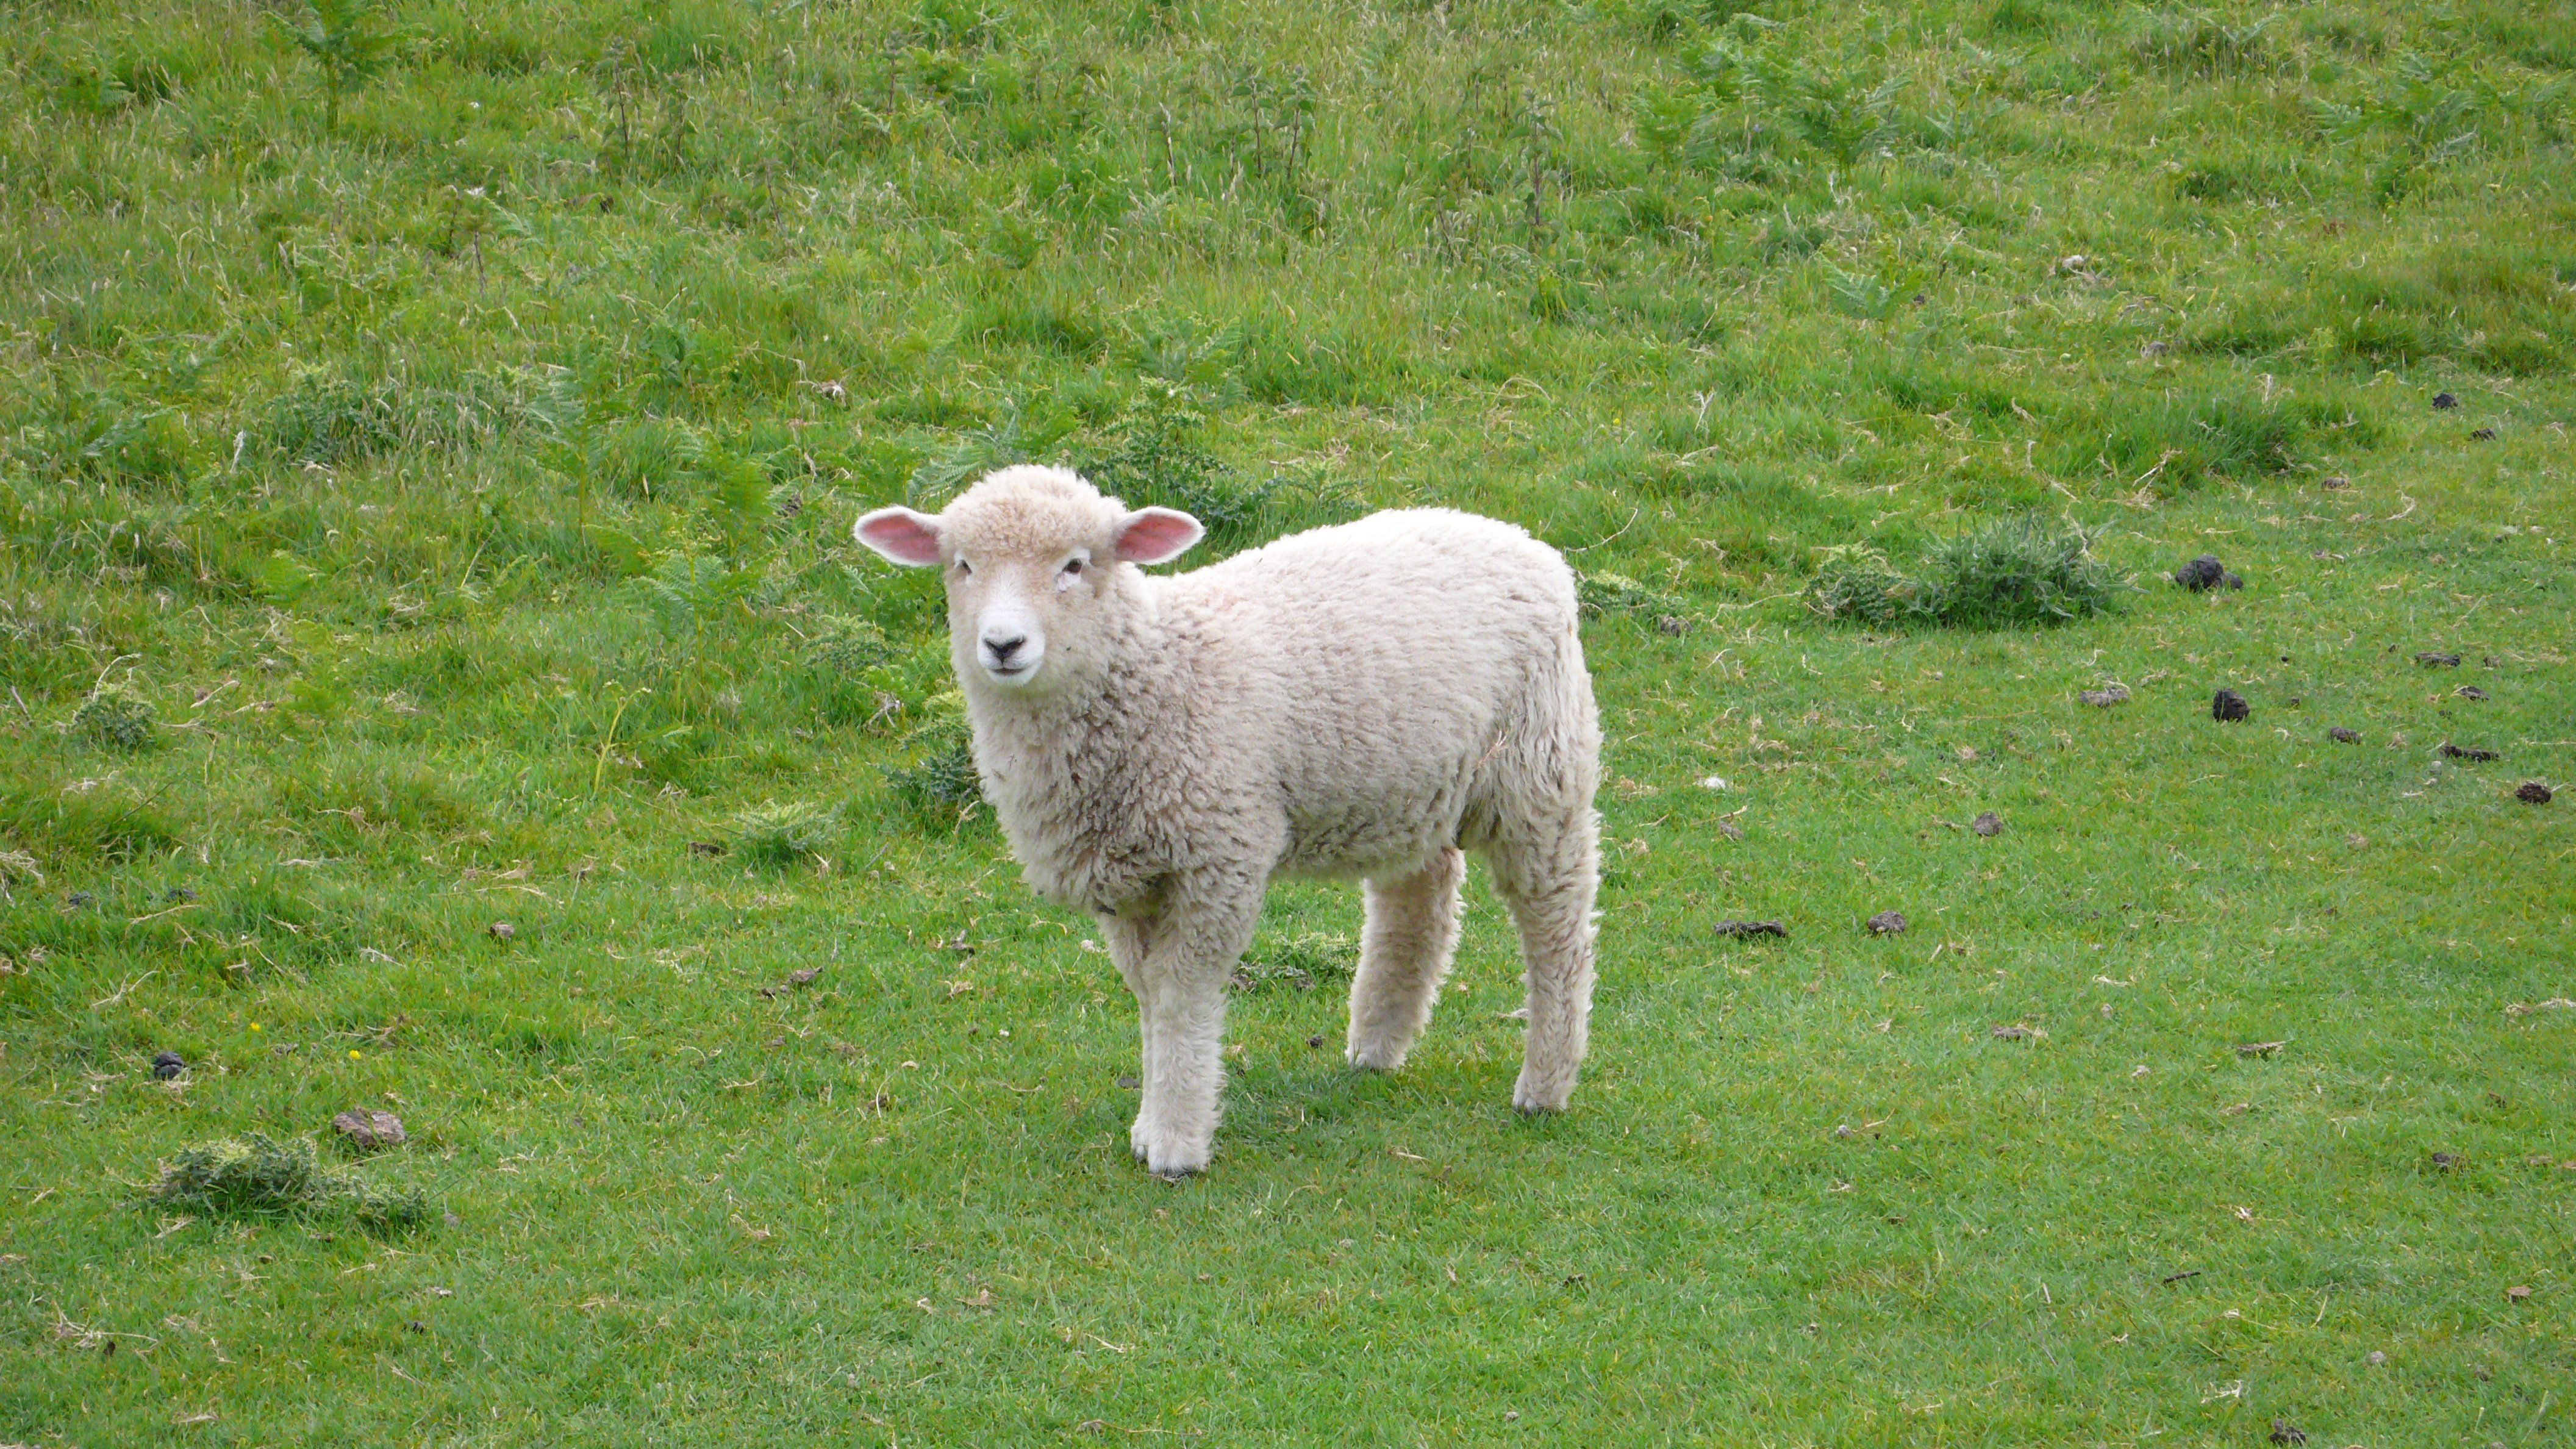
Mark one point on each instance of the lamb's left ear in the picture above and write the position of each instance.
(1157, 535)
(901, 535)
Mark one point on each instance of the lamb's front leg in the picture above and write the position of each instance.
(1187, 951)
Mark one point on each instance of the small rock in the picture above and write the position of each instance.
(2376, 1358)
(1886, 923)
(2470, 691)
(367, 1130)
(2204, 572)
(1314, 1043)
(502, 931)
(2533, 793)
(2444, 402)
(2074, 265)
(166, 1065)
(2334, 480)
(1988, 824)
(2430, 658)
(1742, 929)
(2446, 1162)
(2343, 736)
(2105, 697)
(2285, 1432)
(2516, 1293)
(1128, 1084)
(2228, 707)
(2013, 1033)
(2471, 753)
(2483, 435)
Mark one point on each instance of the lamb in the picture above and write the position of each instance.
(1369, 700)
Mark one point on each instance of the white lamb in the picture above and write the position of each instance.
(1361, 701)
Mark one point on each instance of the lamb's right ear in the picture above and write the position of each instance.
(1157, 535)
(901, 535)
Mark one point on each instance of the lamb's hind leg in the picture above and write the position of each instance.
(1548, 876)
(1412, 927)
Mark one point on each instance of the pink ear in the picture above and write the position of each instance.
(1157, 535)
(901, 535)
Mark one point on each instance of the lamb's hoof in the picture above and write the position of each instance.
(1531, 1101)
(1167, 1154)
(1375, 1057)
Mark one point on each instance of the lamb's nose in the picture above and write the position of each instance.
(1003, 649)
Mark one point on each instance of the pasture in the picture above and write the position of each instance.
(439, 681)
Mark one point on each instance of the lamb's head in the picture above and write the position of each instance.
(1036, 563)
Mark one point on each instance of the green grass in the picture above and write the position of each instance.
(424, 489)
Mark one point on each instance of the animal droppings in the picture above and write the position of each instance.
(706, 847)
(367, 1130)
(2343, 736)
(502, 931)
(1743, 929)
(2533, 793)
(2483, 435)
(2283, 1431)
(2334, 480)
(1988, 824)
(2431, 658)
(2470, 691)
(2202, 573)
(2444, 402)
(2229, 707)
(2472, 753)
(2446, 1162)
(1886, 923)
(2259, 1048)
(2015, 1032)
(166, 1065)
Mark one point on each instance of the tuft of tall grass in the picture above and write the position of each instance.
(779, 835)
(258, 1174)
(2011, 571)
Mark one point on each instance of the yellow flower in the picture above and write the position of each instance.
(254, 1026)
(353, 1054)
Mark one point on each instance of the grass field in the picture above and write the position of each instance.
(439, 681)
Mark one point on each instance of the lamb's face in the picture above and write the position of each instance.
(1030, 557)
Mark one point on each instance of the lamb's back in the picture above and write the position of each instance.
(1374, 663)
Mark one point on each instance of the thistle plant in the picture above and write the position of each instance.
(343, 40)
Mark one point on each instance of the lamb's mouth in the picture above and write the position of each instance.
(1011, 674)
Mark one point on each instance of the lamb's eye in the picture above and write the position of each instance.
(964, 568)
(1073, 566)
